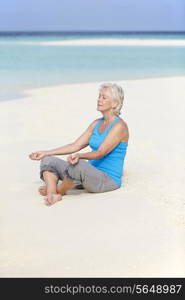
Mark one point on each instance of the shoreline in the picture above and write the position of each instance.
(19, 92)
(103, 41)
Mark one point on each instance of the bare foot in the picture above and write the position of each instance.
(52, 199)
(43, 190)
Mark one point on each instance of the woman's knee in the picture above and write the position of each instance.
(47, 163)
(77, 171)
(47, 160)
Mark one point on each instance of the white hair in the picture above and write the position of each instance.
(117, 94)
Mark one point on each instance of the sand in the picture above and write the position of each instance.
(136, 231)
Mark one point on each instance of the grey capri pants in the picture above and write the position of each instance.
(82, 174)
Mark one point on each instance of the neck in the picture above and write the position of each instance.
(109, 117)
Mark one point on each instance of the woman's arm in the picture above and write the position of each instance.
(77, 145)
(66, 149)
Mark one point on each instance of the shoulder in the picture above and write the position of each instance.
(121, 125)
(93, 124)
(121, 128)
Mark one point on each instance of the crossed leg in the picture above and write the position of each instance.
(43, 190)
(54, 193)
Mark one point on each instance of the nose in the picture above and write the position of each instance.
(99, 100)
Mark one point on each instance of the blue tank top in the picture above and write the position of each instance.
(112, 163)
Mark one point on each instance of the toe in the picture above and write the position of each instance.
(47, 201)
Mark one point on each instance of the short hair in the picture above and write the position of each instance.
(117, 93)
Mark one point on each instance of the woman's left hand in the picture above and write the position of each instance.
(73, 158)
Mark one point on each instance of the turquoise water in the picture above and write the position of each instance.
(35, 60)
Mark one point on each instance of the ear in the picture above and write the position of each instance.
(115, 104)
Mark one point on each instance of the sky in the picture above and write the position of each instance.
(92, 15)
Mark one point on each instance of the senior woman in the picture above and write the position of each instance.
(97, 171)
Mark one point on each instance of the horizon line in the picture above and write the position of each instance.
(91, 31)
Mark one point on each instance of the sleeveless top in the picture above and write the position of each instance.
(112, 163)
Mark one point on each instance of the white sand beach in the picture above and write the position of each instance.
(135, 231)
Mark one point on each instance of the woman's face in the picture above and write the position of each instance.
(105, 101)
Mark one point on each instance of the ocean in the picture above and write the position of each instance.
(32, 60)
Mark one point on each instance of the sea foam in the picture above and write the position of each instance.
(104, 42)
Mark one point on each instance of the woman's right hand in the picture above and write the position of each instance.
(38, 155)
